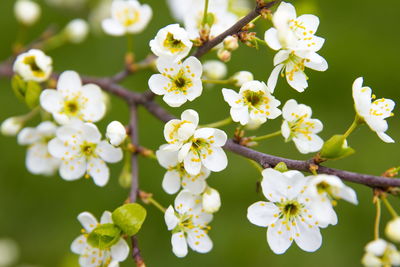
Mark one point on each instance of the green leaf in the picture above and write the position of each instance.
(32, 94)
(104, 236)
(19, 87)
(210, 19)
(129, 218)
(336, 148)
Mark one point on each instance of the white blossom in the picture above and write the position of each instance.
(254, 102)
(214, 70)
(116, 133)
(95, 257)
(11, 126)
(171, 42)
(242, 77)
(299, 127)
(294, 38)
(379, 253)
(27, 12)
(38, 159)
(72, 100)
(287, 215)
(127, 17)
(189, 225)
(211, 200)
(33, 65)
(77, 30)
(325, 190)
(373, 113)
(392, 229)
(82, 152)
(9, 252)
(176, 175)
(177, 82)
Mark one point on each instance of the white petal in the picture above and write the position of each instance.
(192, 163)
(184, 201)
(171, 182)
(384, 137)
(199, 241)
(309, 238)
(271, 38)
(69, 82)
(120, 250)
(158, 84)
(106, 217)
(98, 169)
(108, 152)
(112, 27)
(231, 97)
(273, 77)
(167, 158)
(278, 238)
(79, 244)
(179, 245)
(73, 169)
(170, 219)
(51, 100)
(262, 213)
(298, 82)
(87, 220)
(190, 115)
(215, 159)
(240, 114)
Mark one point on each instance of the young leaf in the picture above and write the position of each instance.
(129, 218)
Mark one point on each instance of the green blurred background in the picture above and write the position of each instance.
(39, 213)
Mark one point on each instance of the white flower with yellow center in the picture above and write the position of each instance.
(81, 150)
(38, 159)
(379, 253)
(189, 225)
(299, 127)
(204, 148)
(325, 190)
(177, 82)
(373, 113)
(92, 256)
(294, 38)
(176, 132)
(71, 100)
(254, 102)
(287, 214)
(127, 17)
(171, 42)
(33, 65)
(176, 175)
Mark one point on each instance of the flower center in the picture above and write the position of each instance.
(31, 61)
(71, 107)
(252, 98)
(173, 44)
(290, 209)
(88, 149)
(180, 83)
(128, 16)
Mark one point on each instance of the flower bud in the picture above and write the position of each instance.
(224, 55)
(370, 260)
(77, 30)
(392, 229)
(116, 133)
(33, 65)
(211, 200)
(253, 124)
(376, 247)
(27, 12)
(242, 77)
(9, 252)
(231, 43)
(11, 126)
(214, 69)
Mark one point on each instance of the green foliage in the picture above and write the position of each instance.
(28, 92)
(104, 236)
(336, 148)
(129, 218)
(281, 166)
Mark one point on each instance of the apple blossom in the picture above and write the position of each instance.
(72, 100)
(324, 190)
(33, 65)
(171, 42)
(287, 215)
(189, 225)
(127, 17)
(254, 102)
(81, 150)
(177, 82)
(116, 133)
(92, 255)
(294, 38)
(27, 12)
(38, 158)
(299, 127)
(373, 113)
(176, 175)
